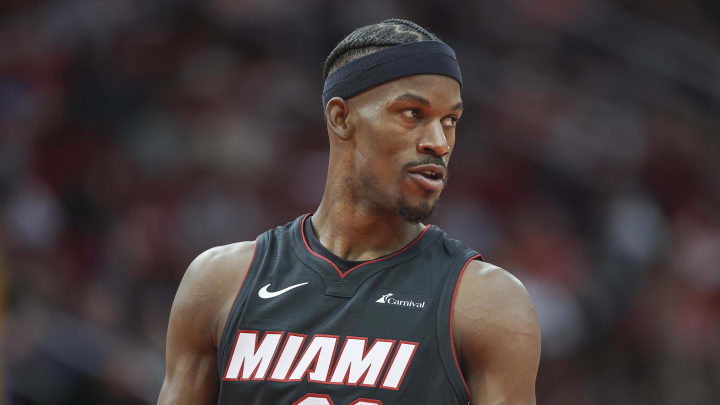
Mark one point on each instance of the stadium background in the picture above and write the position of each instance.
(136, 134)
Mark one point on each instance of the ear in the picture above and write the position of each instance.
(336, 116)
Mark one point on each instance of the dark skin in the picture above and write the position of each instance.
(373, 136)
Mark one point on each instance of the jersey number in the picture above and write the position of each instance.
(324, 399)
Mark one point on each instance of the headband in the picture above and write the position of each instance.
(414, 58)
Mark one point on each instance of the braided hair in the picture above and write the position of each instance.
(372, 38)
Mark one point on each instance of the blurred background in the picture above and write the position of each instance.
(136, 134)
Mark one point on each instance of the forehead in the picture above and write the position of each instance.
(441, 91)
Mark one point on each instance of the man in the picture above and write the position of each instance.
(359, 303)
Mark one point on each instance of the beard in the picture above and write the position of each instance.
(415, 214)
(378, 198)
(421, 212)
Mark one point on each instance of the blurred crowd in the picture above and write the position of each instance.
(136, 134)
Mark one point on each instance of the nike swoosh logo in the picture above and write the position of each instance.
(265, 294)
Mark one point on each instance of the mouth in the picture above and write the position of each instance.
(429, 177)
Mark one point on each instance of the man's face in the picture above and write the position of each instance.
(404, 132)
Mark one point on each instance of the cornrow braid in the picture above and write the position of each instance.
(372, 38)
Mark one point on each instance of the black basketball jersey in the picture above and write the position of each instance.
(305, 331)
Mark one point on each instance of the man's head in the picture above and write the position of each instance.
(391, 141)
(372, 38)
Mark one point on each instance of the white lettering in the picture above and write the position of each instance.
(289, 352)
(320, 351)
(249, 360)
(399, 365)
(405, 303)
(354, 363)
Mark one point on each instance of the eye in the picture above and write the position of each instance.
(450, 121)
(412, 113)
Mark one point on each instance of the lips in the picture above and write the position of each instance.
(429, 177)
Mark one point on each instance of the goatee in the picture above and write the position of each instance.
(416, 214)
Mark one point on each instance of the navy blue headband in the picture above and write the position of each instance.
(414, 58)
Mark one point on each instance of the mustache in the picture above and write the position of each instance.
(429, 160)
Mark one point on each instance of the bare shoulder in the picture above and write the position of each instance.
(216, 265)
(201, 304)
(496, 336)
(492, 306)
(209, 285)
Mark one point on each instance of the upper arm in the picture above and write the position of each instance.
(497, 336)
(201, 304)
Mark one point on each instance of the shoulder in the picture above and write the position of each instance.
(486, 282)
(491, 308)
(215, 267)
(209, 285)
(221, 260)
(192, 338)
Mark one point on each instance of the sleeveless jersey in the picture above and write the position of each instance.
(304, 331)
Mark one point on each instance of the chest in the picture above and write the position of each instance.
(399, 302)
(290, 337)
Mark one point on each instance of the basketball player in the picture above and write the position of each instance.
(360, 303)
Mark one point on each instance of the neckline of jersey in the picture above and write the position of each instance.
(364, 263)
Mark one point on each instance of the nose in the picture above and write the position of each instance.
(434, 141)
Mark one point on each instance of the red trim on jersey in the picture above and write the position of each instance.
(227, 368)
(342, 275)
(314, 396)
(415, 346)
(452, 308)
(366, 400)
(237, 294)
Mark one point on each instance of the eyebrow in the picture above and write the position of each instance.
(424, 101)
(413, 97)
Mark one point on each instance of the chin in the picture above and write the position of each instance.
(416, 213)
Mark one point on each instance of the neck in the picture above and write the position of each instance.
(353, 231)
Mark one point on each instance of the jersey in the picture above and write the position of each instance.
(306, 330)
